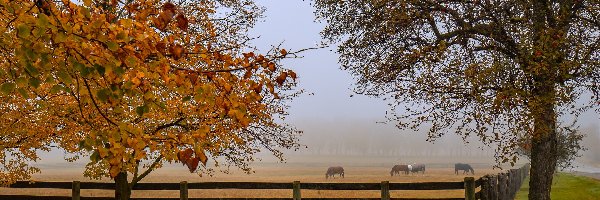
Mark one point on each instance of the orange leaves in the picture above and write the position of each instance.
(292, 75)
(281, 78)
(185, 154)
(177, 51)
(271, 67)
(169, 7)
(187, 158)
(256, 87)
(161, 47)
(192, 164)
(132, 7)
(283, 52)
(182, 22)
(161, 22)
(166, 16)
(248, 55)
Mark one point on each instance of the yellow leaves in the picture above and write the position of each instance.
(23, 30)
(102, 152)
(201, 156)
(140, 155)
(227, 87)
(113, 46)
(236, 114)
(87, 3)
(137, 67)
(201, 133)
(114, 171)
(140, 74)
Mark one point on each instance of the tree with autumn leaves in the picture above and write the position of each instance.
(506, 71)
(133, 84)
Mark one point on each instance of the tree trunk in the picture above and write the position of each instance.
(122, 189)
(544, 144)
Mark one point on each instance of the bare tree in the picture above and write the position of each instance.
(502, 70)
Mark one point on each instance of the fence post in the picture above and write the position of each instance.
(297, 190)
(485, 187)
(509, 184)
(469, 188)
(507, 190)
(516, 183)
(75, 190)
(502, 187)
(385, 190)
(183, 190)
(494, 187)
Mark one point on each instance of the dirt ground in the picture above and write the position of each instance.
(270, 173)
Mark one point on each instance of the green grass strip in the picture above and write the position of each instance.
(568, 186)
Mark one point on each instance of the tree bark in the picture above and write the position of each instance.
(544, 144)
(122, 189)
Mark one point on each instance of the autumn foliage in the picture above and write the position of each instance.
(136, 83)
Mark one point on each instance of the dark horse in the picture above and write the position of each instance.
(397, 168)
(464, 167)
(334, 170)
(417, 168)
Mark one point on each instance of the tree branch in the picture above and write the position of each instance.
(152, 166)
(164, 126)
(95, 104)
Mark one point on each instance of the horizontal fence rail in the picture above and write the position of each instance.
(500, 187)
(248, 185)
(385, 187)
(24, 197)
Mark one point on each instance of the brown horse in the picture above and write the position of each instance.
(331, 171)
(464, 167)
(397, 168)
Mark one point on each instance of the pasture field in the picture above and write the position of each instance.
(271, 173)
(568, 186)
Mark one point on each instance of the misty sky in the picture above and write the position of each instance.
(331, 111)
(293, 23)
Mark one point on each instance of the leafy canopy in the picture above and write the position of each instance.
(475, 67)
(136, 83)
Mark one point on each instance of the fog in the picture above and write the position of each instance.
(364, 142)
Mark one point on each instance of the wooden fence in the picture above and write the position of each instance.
(493, 187)
(503, 186)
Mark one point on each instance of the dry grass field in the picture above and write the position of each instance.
(274, 172)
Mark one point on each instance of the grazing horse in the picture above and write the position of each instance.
(397, 168)
(417, 168)
(334, 170)
(464, 167)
